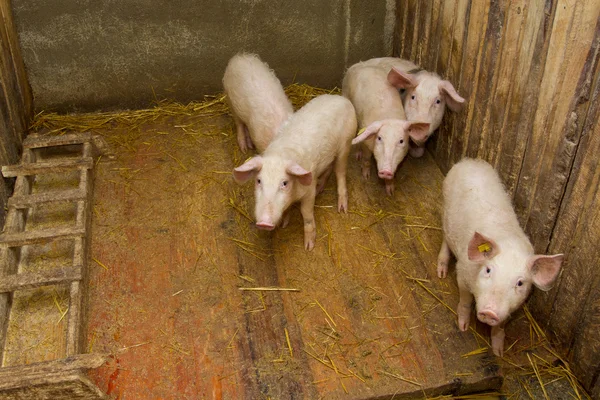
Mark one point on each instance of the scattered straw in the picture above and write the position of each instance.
(269, 289)
(287, 339)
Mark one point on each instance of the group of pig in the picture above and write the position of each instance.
(496, 264)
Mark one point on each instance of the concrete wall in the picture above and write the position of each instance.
(107, 54)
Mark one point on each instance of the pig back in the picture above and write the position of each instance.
(475, 200)
(316, 133)
(372, 95)
(387, 63)
(257, 97)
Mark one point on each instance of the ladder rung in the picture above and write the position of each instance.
(78, 362)
(29, 280)
(39, 236)
(46, 197)
(42, 167)
(36, 141)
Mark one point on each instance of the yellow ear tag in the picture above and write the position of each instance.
(484, 248)
(361, 130)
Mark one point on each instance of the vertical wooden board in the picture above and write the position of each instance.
(401, 28)
(563, 130)
(585, 348)
(26, 97)
(411, 24)
(423, 31)
(545, 137)
(467, 86)
(576, 202)
(432, 49)
(492, 135)
(486, 79)
(527, 75)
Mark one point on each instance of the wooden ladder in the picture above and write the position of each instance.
(64, 378)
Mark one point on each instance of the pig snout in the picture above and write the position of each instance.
(386, 174)
(266, 225)
(488, 317)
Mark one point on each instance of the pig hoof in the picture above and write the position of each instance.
(243, 147)
(285, 221)
(309, 244)
(343, 204)
(366, 172)
(464, 315)
(389, 188)
(416, 152)
(442, 269)
(358, 155)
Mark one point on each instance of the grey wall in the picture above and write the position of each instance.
(107, 54)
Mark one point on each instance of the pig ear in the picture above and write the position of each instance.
(245, 171)
(418, 131)
(482, 248)
(369, 130)
(304, 176)
(545, 270)
(401, 80)
(453, 99)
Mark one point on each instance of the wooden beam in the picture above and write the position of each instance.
(37, 141)
(40, 236)
(46, 167)
(29, 280)
(27, 201)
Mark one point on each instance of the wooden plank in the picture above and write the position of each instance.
(544, 172)
(47, 167)
(37, 141)
(533, 46)
(40, 236)
(29, 280)
(21, 202)
(55, 386)
(435, 28)
(400, 29)
(68, 364)
(26, 98)
(470, 56)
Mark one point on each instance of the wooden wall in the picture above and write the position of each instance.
(529, 70)
(16, 103)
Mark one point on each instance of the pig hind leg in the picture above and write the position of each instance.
(443, 260)
(366, 161)
(243, 137)
(307, 208)
(465, 304)
(341, 166)
(322, 181)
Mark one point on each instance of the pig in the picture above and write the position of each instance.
(315, 137)
(256, 99)
(379, 111)
(425, 96)
(495, 261)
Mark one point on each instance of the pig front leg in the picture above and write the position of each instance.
(307, 208)
(498, 340)
(389, 186)
(465, 304)
(366, 161)
(285, 220)
(443, 260)
(341, 165)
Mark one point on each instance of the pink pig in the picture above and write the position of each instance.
(315, 137)
(379, 110)
(495, 260)
(426, 94)
(256, 99)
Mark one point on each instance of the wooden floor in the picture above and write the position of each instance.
(174, 243)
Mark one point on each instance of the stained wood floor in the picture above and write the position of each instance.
(173, 243)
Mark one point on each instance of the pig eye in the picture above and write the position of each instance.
(438, 101)
(488, 270)
(379, 138)
(401, 141)
(412, 97)
(284, 183)
(258, 181)
(519, 282)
